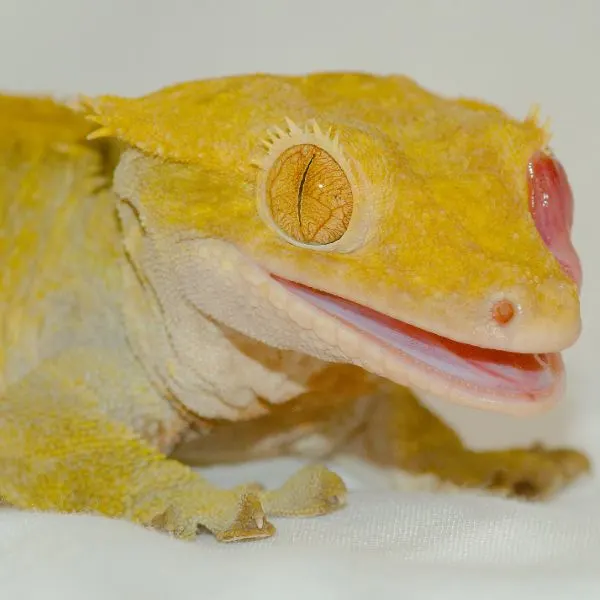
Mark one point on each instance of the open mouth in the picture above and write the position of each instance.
(510, 381)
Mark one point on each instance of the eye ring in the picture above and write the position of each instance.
(347, 225)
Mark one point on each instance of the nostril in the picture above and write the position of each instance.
(503, 312)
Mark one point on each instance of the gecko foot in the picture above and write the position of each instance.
(535, 473)
(233, 520)
(312, 491)
(187, 507)
(241, 513)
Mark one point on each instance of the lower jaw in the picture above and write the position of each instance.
(458, 391)
(386, 361)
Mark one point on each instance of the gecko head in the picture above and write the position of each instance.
(363, 219)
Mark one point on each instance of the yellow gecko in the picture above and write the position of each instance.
(259, 265)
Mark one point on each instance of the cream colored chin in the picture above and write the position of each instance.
(375, 356)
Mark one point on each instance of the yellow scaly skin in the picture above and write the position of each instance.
(139, 318)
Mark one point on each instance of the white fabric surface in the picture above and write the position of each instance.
(385, 544)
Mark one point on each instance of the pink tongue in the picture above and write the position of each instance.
(551, 205)
(511, 373)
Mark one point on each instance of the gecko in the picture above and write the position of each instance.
(262, 265)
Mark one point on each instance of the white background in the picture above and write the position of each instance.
(513, 53)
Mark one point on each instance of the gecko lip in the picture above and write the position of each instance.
(507, 381)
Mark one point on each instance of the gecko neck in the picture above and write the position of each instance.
(209, 369)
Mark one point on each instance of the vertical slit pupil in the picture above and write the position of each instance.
(301, 189)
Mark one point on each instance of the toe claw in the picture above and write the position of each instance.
(250, 522)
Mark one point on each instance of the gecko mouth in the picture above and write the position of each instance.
(509, 381)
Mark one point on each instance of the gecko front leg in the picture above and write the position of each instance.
(62, 449)
(59, 451)
(402, 433)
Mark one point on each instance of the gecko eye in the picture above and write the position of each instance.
(551, 206)
(309, 195)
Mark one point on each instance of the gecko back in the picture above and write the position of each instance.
(56, 222)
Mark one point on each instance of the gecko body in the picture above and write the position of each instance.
(260, 265)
